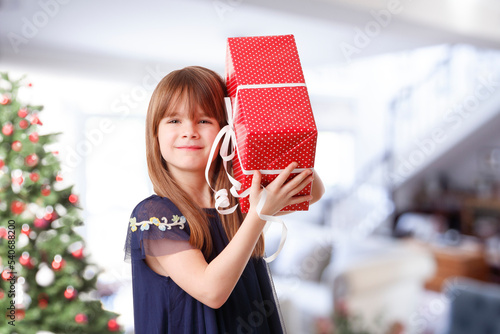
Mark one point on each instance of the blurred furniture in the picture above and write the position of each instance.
(380, 282)
(466, 259)
(475, 207)
(474, 307)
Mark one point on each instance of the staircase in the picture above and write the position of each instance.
(430, 118)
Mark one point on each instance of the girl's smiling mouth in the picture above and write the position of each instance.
(189, 147)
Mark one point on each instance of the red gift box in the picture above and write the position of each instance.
(272, 115)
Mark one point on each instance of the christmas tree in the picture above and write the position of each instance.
(47, 284)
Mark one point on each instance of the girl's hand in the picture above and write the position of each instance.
(279, 193)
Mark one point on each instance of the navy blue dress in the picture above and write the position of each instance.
(156, 228)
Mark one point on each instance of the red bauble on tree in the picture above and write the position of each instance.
(41, 223)
(17, 207)
(8, 129)
(43, 300)
(20, 314)
(31, 160)
(26, 260)
(2, 163)
(50, 216)
(70, 293)
(3, 233)
(34, 177)
(17, 180)
(7, 275)
(4, 99)
(113, 325)
(34, 137)
(76, 249)
(17, 146)
(36, 120)
(58, 263)
(73, 199)
(23, 112)
(78, 254)
(23, 124)
(26, 229)
(81, 318)
(45, 190)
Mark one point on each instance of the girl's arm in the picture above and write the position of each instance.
(212, 283)
(318, 189)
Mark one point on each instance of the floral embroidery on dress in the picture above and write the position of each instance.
(162, 226)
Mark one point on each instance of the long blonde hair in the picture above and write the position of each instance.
(205, 89)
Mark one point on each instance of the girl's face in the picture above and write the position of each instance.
(185, 140)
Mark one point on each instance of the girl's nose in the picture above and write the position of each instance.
(190, 130)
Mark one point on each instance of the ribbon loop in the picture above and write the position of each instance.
(271, 219)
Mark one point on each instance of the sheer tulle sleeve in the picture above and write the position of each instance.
(156, 227)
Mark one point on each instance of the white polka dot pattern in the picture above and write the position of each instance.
(274, 126)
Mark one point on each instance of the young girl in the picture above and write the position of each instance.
(193, 270)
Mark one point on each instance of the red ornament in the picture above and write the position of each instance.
(8, 129)
(41, 223)
(27, 261)
(50, 216)
(113, 325)
(43, 303)
(59, 178)
(23, 124)
(36, 120)
(34, 137)
(45, 190)
(30, 84)
(78, 254)
(31, 160)
(23, 112)
(81, 318)
(73, 199)
(3, 233)
(70, 293)
(24, 260)
(20, 314)
(17, 146)
(4, 99)
(17, 207)
(26, 229)
(34, 177)
(18, 180)
(43, 300)
(7, 275)
(58, 263)
(2, 163)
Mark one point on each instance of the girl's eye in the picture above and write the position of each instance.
(173, 121)
(205, 121)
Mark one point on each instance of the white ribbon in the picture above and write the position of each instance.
(229, 143)
(271, 219)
